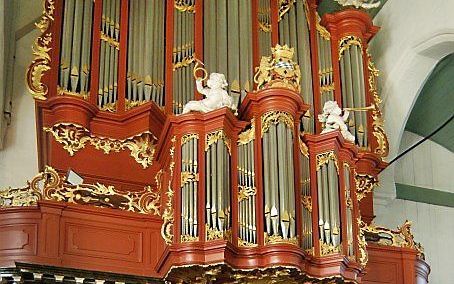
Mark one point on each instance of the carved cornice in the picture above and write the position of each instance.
(41, 48)
(74, 137)
(49, 185)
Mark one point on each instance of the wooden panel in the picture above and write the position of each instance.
(103, 242)
(383, 273)
(18, 239)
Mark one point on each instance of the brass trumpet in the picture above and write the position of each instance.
(199, 66)
(371, 107)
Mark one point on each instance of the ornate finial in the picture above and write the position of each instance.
(365, 4)
(278, 70)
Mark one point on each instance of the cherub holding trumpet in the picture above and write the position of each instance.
(216, 96)
(333, 119)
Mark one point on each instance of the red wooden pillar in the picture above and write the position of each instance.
(274, 6)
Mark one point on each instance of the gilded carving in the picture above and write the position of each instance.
(284, 7)
(378, 124)
(306, 201)
(247, 136)
(112, 42)
(402, 237)
(185, 62)
(245, 192)
(41, 48)
(215, 234)
(364, 184)
(184, 6)
(277, 239)
(167, 216)
(188, 137)
(363, 257)
(346, 42)
(213, 137)
(242, 243)
(274, 117)
(188, 177)
(327, 249)
(48, 185)
(323, 158)
(303, 148)
(109, 107)
(188, 239)
(74, 137)
(129, 104)
(63, 92)
(278, 70)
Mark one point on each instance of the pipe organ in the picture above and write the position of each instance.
(257, 194)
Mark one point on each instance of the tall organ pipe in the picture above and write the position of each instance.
(294, 31)
(353, 88)
(75, 53)
(145, 52)
(229, 52)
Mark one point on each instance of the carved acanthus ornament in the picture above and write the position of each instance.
(346, 42)
(284, 7)
(243, 243)
(306, 201)
(274, 117)
(378, 124)
(327, 249)
(402, 237)
(364, 185)
(214, 136)
(167, 216)
(184, 6)
(188, 239)
(363, 257)
(278, 70)
(245, 192)
(323, 158)
(109, 107)
(129, 104)
(277, 239)
(215, 234)
(62, 92)
(41, 48)
(74, 137)
(185, 139)
(247, 136)
(303, 148)
(49, 185)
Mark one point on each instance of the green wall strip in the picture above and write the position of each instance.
(424, 195)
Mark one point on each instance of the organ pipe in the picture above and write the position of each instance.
(353, 88)
(183, 54)
(228, 52)
(74, 69)
(294, 31)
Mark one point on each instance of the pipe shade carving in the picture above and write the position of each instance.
(74, 138)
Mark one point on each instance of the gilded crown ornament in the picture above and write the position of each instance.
(278, 70)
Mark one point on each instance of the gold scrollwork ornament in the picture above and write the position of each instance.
(274, 117)
(167, 216)
(41, 47)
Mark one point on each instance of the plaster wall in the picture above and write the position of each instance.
(429, 165)
(414, 36)
(18, 158)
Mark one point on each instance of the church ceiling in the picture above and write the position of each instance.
(435, 105)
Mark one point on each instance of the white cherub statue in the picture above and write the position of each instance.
(365, 4)
(333, 120)
(216, 96)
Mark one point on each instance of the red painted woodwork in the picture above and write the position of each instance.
(83, 237)
(393, 265)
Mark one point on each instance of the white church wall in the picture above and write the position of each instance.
(18, 158)
(429, 165)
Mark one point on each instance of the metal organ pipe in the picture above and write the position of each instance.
(144, 78)
(75, 52)
(353, 88)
